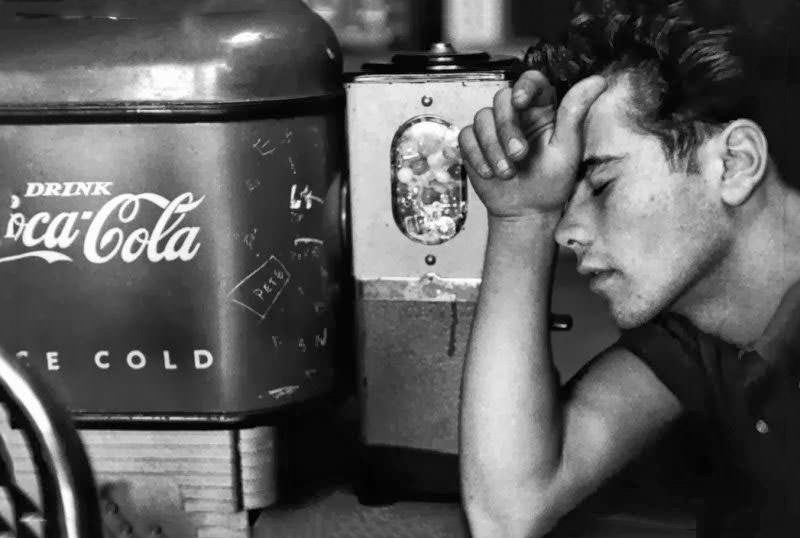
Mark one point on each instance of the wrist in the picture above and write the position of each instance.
(543, 222)
(525, 235)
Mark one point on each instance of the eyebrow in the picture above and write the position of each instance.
(589, 164)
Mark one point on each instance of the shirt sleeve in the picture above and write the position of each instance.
(672, 348)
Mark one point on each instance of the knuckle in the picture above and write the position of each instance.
(568, 109)
(534, 77)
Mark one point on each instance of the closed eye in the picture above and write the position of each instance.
(598, 189)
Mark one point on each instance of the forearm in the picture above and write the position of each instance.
(511, 419)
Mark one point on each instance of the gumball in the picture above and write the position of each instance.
(450, 137)
(425, 177)
(438, 187)
(437, 161)
(455, 171)
(446, 226)
(429, 196)
(443, 177)
(430, 144)
(407, 149)
(419, 166)
(451, 153)
(405, 175)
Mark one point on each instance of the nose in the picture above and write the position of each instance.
(572, 231)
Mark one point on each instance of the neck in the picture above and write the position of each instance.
(739, 297)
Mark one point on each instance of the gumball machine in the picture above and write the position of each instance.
(418, 239)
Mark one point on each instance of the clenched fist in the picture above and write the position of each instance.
(522, 155)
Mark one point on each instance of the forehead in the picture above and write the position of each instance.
(607, 128)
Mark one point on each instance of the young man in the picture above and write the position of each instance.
(668, 175)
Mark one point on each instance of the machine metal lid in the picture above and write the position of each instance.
(141, 55)
(444, 58)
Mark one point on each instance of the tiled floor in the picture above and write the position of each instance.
(338, 515)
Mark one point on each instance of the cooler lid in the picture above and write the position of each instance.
(443, 58)
(142, 54)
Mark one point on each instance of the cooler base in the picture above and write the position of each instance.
(187, 484)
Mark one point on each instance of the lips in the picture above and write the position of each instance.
(599, 278)
(592, 270)
(599, 275)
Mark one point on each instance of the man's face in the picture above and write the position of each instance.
(653, 230)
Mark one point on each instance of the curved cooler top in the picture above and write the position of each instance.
(140, 55)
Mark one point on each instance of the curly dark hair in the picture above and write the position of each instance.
(694, 66)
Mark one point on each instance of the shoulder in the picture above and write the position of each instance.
(685, 359)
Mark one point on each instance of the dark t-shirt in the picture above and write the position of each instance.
(749, 410)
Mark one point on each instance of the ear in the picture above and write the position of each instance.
(744, 159)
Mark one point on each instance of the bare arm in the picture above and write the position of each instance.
(531, 451)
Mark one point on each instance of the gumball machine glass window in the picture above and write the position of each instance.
(428, 180)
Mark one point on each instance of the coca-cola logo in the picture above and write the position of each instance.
(108, 233)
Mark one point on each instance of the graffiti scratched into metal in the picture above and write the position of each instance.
(304, 199)
(260, 290)
(264, 147)
(283, 392)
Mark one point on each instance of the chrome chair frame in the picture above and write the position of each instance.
(69, 506)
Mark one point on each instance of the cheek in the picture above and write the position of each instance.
(638, 223)
(662, 238)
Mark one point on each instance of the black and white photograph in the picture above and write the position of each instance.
(399, 268)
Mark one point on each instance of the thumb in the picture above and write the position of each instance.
(573, 109)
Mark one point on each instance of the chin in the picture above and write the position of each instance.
(629, 316)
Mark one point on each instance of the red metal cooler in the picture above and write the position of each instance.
(169, 177)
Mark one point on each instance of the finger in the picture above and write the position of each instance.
(473, 174)
(486, 133)
(573, 109)
(508, 129)
(472, 154)
(537, 124)
(532, 89)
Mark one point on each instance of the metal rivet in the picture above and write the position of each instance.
(762, 427)
(427, 100)
(430, 259)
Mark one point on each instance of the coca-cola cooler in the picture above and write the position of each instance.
(170, 253)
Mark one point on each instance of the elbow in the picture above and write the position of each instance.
(532, 520)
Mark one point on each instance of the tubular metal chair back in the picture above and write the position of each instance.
(69, 505)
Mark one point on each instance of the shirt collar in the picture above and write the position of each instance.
(781, 339)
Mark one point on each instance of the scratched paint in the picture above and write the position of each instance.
(451, 344)
(264, 147)
(283, 392)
